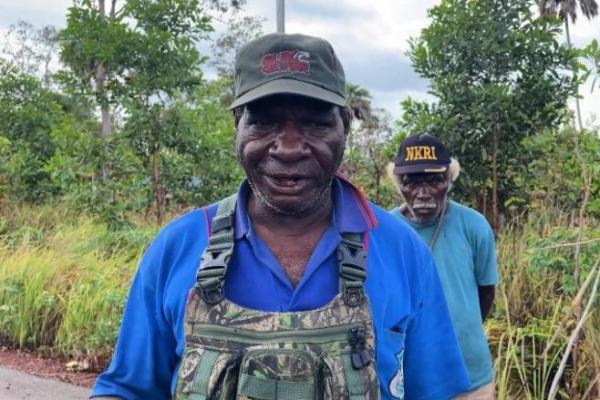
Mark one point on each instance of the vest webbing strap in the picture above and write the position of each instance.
(215, 260)
(353, 273)
(356, 386)
(271, 389)
(207, 362)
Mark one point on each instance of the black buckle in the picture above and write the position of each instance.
(353, 296)
(213, 294)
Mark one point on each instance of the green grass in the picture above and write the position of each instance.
(64, 279)
(534, 295)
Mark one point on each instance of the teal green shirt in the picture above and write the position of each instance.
(465, 257)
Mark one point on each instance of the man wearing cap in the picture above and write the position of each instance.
(295, 287)
(462, 243)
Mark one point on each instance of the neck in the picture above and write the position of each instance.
(266, 218)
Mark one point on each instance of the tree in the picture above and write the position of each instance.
(96, 50)
(565, 9)
(358, 100)
(369, 144)
(141, 57)
(240, 30)
(164, 66)
(592, 53)
(492, 92)
(29, 112)
(32, 50)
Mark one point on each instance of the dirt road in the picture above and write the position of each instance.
(16, 385)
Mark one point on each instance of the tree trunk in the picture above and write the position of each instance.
(495, 214)
(577, 108)
(100, 78)
(106, 127)
(158, 191)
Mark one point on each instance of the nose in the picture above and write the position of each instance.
(423, 192)
(290, 143)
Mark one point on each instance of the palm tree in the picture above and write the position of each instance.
(358, 100)
(566, 9)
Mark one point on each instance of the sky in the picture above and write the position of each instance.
(370, 38)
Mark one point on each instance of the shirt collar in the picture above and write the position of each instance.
(352, 212)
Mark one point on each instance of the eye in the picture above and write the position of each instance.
(409, 184)
(261, 125)
(317, 127)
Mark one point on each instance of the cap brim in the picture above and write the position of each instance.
(289, 86)
(420, 169)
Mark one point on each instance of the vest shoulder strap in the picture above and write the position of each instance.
(215, 260)
(353, 272)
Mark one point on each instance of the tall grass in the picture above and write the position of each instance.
(64, 277)
(534, 296)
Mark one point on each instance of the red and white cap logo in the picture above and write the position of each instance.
(294, 61)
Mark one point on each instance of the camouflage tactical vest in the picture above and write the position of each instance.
(232, 352)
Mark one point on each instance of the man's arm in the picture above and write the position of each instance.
(144, 358)
(486, 270)
(486, 299)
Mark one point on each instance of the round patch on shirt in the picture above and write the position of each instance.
(396, 385)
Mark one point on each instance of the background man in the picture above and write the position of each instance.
(462, 243)
(290, 254)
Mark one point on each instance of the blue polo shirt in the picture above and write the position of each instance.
(417, 354)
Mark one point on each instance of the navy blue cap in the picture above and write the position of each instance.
(423, 153)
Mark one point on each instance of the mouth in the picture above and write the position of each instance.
(286, 184)
(424, 208)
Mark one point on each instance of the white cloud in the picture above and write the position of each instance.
(369, 36)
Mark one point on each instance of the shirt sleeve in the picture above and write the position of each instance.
(484, 257)
(144, 359)
(433, 363)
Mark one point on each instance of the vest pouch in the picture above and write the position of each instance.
(278, 374)
(343, 381)
(207, 374)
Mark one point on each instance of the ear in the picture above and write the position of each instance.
(346, 114)
(393, 177)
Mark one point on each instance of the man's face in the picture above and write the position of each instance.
(290, 148)
(425, 194)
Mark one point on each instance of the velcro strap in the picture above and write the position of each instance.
(271, 389)
(207, 362)
(354, 381)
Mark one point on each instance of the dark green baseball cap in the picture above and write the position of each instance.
(280, 63)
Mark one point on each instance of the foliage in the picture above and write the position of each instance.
(492, 92)
(31, 50)
(533, 315)
(370, 146)
(553, 174)
(241, 30)
(566, 9)
(28, 112)
(592, 53)
(63, 279)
